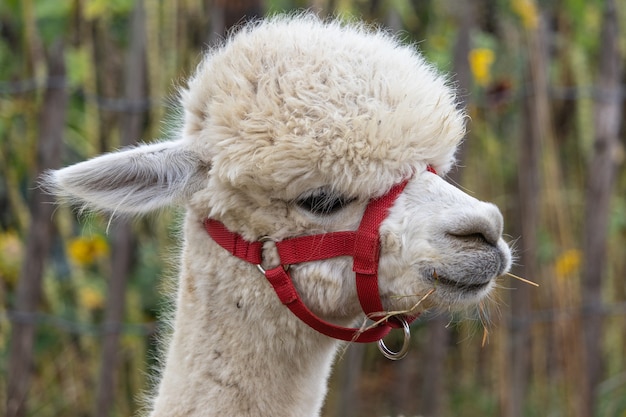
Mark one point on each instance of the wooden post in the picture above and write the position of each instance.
(227, 14)
(536, 128)
(600, 181)
(120, 229)
(39, 239)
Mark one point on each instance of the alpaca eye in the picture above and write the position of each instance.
(323, 203)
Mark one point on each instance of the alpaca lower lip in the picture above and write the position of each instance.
(463, 286)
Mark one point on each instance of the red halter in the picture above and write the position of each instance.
(364, 247)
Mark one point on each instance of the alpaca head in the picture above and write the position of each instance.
(290, 129)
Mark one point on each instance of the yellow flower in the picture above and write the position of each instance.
(480, 60)
(11, 253)
(91, 298)
(86, 250)
(527, 11)
(568, 263)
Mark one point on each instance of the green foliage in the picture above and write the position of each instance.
(51, 17)
(78, 66)
(104, 9)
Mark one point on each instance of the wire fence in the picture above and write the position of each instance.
(150, 328)
(123, 105)
(112, 104)
(81, 328)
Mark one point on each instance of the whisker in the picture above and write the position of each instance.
(484, 320)
(499, 285)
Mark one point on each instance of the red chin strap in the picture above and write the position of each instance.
(363, 245)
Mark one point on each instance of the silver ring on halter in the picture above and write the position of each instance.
(264, 239)
(262, 270)
(395, 356)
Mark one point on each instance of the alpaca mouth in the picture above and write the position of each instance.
(457, 285)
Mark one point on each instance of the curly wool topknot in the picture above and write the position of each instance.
(283, 101)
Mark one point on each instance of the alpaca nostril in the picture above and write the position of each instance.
(473, 237)
(484, 228)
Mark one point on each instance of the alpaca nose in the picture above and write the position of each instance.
(483, 223)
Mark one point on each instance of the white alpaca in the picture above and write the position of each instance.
(290, 129)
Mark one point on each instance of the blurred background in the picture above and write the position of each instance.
(543, 82)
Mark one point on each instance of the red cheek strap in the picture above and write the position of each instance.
(363, 245)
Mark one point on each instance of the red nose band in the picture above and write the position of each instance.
(363, 245)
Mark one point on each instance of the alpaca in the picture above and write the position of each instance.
(293, 131)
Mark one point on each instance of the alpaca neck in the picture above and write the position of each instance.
(236, 350)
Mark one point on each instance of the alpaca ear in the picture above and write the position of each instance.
(134, 180)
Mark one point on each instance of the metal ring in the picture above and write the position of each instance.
(260, 268)
(264, 239)
(395, 356)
